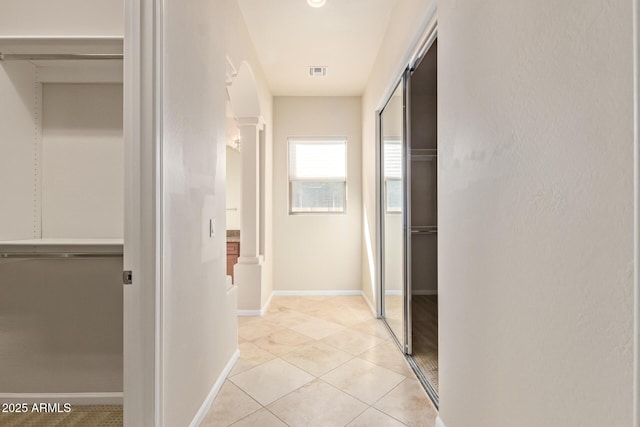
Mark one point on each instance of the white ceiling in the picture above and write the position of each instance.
(289, 36)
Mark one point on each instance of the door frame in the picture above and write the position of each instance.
(636, 212)
(143, 213)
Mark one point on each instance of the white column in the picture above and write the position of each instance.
(248, 271)
(250, 188)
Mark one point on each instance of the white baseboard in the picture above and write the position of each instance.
(371, 307)
(250, 313)
(394, 292)
(439, 422)
(315, 293)
(112, 398)
(266, 305)
(254, 313)
(206, 405)
(424, 292)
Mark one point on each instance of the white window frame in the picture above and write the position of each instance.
(316, 140)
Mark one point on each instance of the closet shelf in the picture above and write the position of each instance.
(422, 154)
(67, 59)
(424, 229)
(61, 248)
(62, 45)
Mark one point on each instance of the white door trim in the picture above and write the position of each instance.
(143, 220)
(636, 213)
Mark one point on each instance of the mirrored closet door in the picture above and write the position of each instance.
(392, 213)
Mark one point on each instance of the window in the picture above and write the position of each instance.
(393, 175)
(317, 175)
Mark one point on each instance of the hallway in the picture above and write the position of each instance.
(319, 361)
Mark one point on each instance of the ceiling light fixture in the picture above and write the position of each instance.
(316, 3)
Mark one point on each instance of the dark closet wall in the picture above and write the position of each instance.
(424, 194)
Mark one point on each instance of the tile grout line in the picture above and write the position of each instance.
(350, 328)
(353, 356)
(321, 340)
(250, 397)
(276, 415)
(246, 416)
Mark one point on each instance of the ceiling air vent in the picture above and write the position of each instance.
(317, 71)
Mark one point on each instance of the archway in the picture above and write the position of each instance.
(245, 105)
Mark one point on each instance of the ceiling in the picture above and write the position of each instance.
(290, 36)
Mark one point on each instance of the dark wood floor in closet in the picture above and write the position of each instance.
(425, 335)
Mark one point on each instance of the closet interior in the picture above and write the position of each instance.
(61, 226)
(423, 142)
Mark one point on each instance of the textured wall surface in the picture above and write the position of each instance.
(316, 251)
(199, 331)
(199, 324)
(82, 161)
(536, 137)
(20, 151)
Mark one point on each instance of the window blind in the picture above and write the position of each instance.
(392, 159)
(320, 160)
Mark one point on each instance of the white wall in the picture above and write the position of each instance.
(317, 252)
(199, 328)
(19, 150)
(82, 161)
(199, 313)
(62, 158)
(62, 18)
(536, 137)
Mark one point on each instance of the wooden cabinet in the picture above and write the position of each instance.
(233, 252)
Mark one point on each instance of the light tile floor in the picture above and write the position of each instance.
(319, 362)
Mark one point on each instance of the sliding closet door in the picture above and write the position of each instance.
(392, 211)
(408, 208)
